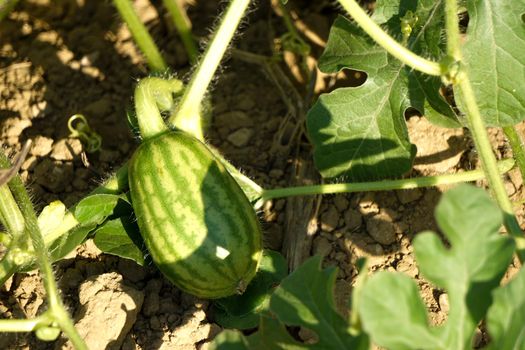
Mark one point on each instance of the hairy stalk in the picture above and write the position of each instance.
(32, 230)
(143, 39)
(386, 185)
(7, 268)
(516, 143)
(387, 42)
(10, 214)
(6, 6)
(479, 131)
(151, 93)
(187, 117)
(183, 25)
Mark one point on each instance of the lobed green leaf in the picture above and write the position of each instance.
(360, 132)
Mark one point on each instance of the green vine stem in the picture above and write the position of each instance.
(387, 42)
(23, 325)
(516, 143)
(143, 39)
(6, 6)
(32, 231)
(479, 131)
(182, 23)
(150, 94)
(10, 214)
(386, 185)
(187, 116)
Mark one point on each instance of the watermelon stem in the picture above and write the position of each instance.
(187, 116)
(141, 35)
(385, 185)
(152, 95)
(183, 25)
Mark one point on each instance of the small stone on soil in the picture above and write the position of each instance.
(353, 219)
(41, 146)
(241, 137)
(381, 228)
(341, 203)
(66, 149)
(321, 246)
(330, 219)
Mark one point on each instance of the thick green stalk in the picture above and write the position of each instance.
(143, 39)
(188, 115)
(386, 185)
(7, 268)
(516, 143)
(149, 94)
(183, 26)
(10, 214)
(479, 131)
(22, 325)
(387, 42)
(6, 6)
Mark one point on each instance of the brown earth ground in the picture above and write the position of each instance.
(58, 58)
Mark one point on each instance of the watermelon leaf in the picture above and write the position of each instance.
(304, 298)
(96, 208)
(121, 237)
(506, 316)
(469, 271)
(242, 311)
(496, 44)
(360, 132)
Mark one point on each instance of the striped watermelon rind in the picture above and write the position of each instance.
(197, 224)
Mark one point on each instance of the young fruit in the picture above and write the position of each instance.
(197, 223)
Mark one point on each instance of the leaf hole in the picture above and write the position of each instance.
(347, 78)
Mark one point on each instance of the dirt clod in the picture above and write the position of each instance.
(108, 310)
(381, 228)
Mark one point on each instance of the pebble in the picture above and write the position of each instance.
(41, 146)
(381, 228)
(329, 219)
(321, 246)
(66, 149)
(241, 137)
(341, 203)
(353, 219)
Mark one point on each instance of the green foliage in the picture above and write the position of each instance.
(120, 237)
(469, 271)
(494, 55)
(304, 298)
(506, 316)
(242, 311)
(360, 132)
